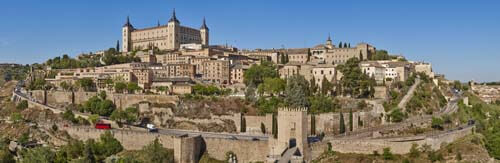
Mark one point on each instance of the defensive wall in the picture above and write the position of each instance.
(55, 98)
(397, 145)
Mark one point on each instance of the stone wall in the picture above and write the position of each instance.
(254, 122)
(245, 150)
(398, 146)
(188, 149)
(131, 140)
(55, 98)
(330, 122)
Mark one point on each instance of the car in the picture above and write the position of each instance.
(151, 127)
(103, 126)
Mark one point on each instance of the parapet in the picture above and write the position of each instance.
(287, 109)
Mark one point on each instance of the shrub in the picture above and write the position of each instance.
(414, 152)
(22, 105)
(387, 155)
(437, 123)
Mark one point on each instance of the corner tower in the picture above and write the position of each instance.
(173, 30)
(204, 33)
(126, 36)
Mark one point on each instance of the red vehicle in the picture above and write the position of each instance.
(103, 126)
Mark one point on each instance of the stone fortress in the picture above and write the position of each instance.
(165, 37)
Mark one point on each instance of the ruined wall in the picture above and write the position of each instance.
(245, 150)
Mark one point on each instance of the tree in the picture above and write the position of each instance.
(156, 153)
(22, 105)
(69, 116)
(387, 155)
(109, 145)
(257, 73)
(86, 83)
(275, 126)
(272, 86)
(263, 128)
(340, 44)
(6, 157)
(350, 120)
(381, 55)
(396, 115)
(102, 95)
(360, 122)
(250, 93)
(414, 152)
(354, 81)
(243, 123)
(342, 125)
(38, 155)
(312, 86)
(322, 104)
(313, 124)
(296, 92)
(120, 86)
(326, 86)
(345, 45)
(93, 118)
(132, 87)
(437, 123)
(117, 46)
(16, 117)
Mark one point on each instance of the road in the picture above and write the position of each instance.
(19, 92)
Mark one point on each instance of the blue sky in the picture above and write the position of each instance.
(460, 38)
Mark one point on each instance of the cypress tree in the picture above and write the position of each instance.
(350, 120)
(286, 58)
(282, 60)
(360, 123)
(313, 124)
(118, 45)
(340, 44)
(349, 45)
(275, 126)
(243, 124)
(342, 125)
(345, 45)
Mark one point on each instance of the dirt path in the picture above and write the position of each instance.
(409, 95)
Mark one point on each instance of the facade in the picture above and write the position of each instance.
(173, 71)
(237, 72)
(216, 71)
(339, 55)
(165, 37)
(425, 68)
(323, 72)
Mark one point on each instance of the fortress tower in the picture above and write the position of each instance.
(165, 37)
(292, 133)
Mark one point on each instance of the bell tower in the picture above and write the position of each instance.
(204, 33)
(126, 36)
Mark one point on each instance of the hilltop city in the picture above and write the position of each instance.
(165, 94)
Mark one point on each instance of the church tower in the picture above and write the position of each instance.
(173, 32)
(329, 43)
(126, 36)
(204, 33)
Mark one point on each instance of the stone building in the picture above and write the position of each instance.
(174, 71)
(165, 37)
(216, 71)
(339, 55)
(237, 72)
(323, 72)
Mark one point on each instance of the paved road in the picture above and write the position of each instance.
(287, 155)
(19, 92)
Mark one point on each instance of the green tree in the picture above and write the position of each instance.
(38, 155)
(396, 115)
(414, 152)
(340, 44)
(16, 117)
(132, 87)
(93, 118)
(275, 126)
(243, 123)
(250, 93)
(354, 82)
(381, 55)
(272, 86)
(6, 157)
(296, 92)
(437, 123)
(109, 145)
(342, 125)
(69, 116)
(86, 83)
(156, 153)
(387, 155)
(263, 128)
(313, 124)
(120, 87)
(102, 95)
(322, 104)
(350, 120)
(256, 73)
(326, 86)
(22, 105)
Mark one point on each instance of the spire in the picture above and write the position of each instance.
(128, 24)
(159, 23)
(174, 18)
(329, 38)
(204, 25)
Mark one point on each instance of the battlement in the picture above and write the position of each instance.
(287, 109)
